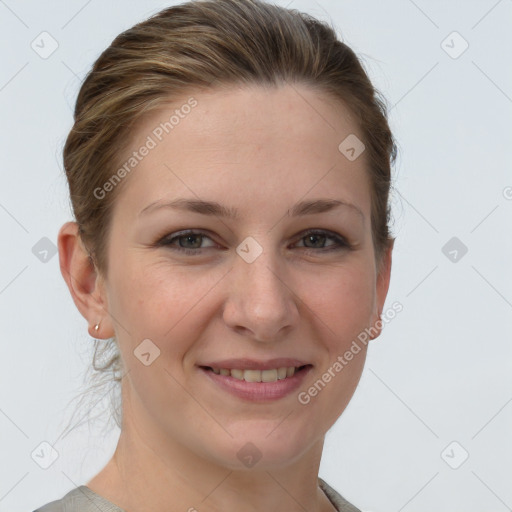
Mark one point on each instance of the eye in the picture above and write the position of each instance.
(318, 237)
(189, 241)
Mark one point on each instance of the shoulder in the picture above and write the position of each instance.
(66, 504)
(341, 504)
(83, 499)
(80, 499)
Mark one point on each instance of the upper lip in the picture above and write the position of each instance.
(252, 364)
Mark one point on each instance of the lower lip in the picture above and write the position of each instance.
(258, 391)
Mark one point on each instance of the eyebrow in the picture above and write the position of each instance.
(214, 208)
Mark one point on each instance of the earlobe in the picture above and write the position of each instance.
(83, 280)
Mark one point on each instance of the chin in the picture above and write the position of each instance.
(262, 445)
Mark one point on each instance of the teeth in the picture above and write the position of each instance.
(238, 374)
(268, 375)
(258, 375)
(252, 375)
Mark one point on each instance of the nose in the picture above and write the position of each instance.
(260, 302)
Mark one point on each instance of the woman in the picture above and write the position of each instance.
(229, 170)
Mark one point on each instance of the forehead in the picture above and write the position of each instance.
(245, 145)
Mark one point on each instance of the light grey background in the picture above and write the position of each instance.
(440, 372)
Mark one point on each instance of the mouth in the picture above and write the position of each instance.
(257, 384)
(256, 375)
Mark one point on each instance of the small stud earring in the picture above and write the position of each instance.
(97, 326)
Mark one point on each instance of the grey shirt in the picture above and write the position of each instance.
(83, 499)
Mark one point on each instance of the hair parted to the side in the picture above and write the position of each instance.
(206, 44)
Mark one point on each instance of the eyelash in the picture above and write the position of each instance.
(166, 241)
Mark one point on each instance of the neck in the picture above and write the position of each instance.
(151, 472)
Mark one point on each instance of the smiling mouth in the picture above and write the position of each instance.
(270, 375)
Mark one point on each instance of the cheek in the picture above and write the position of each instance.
(342, 301)
(159, 303)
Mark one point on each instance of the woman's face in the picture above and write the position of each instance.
(255, 292)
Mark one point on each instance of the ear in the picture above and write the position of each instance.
(86, 285)
(382, 287)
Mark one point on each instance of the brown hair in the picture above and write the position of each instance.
(196, 45)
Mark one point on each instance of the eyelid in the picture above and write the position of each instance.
(341, 243)
(328, 233)
(171, 237)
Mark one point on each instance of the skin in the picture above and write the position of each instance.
(259, 150)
